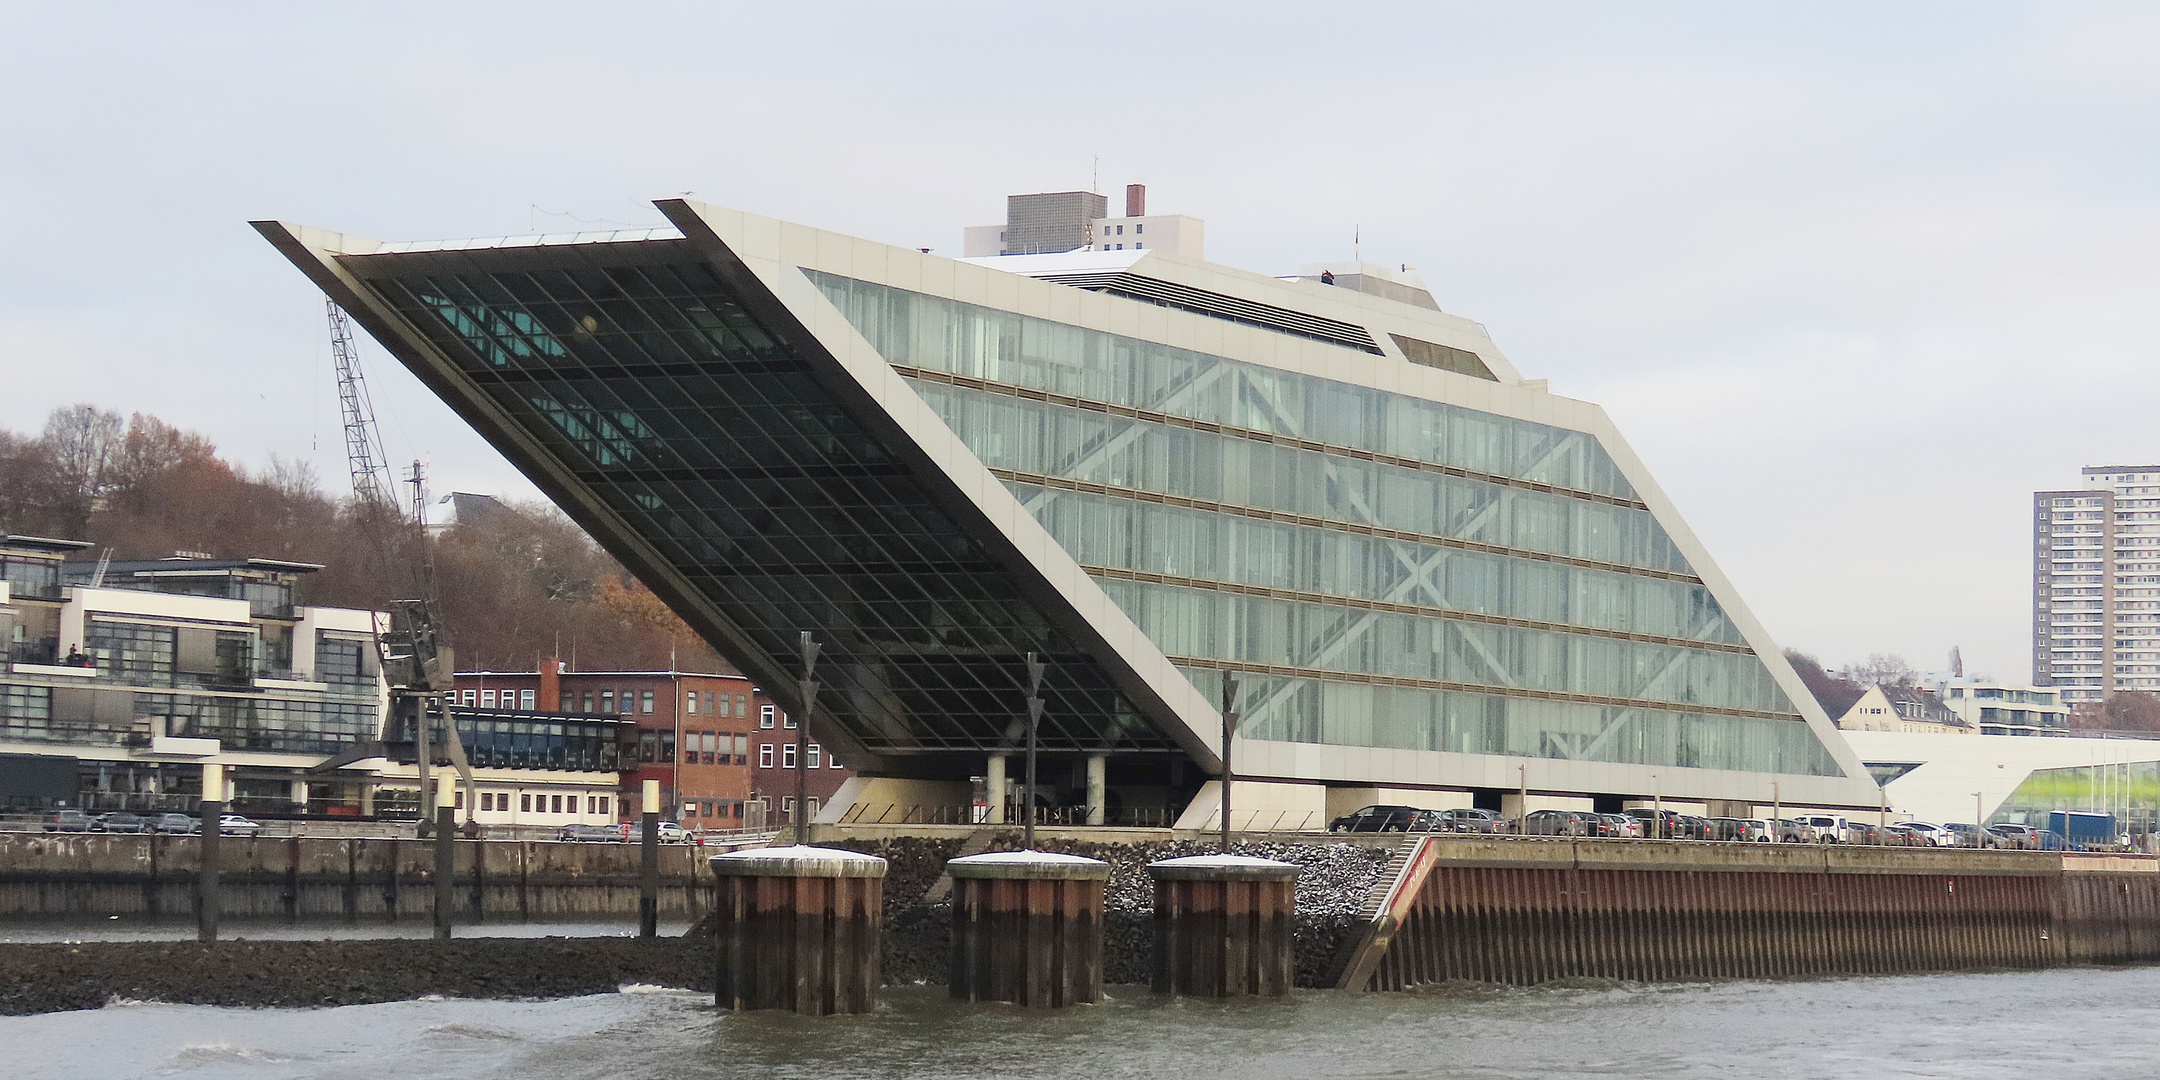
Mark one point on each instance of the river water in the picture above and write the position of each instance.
(2050, 1025)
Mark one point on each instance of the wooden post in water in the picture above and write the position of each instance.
(1027, 928)
(1223, 926)
(445, 851)
(800, 929)
(649, 860)
(206, 872)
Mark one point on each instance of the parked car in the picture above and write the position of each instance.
(120, 821)
(1469, 820)
(1385, 819)
(671, 832)
(590, 834)
(235, 825)
(1619, 826)
(1694, 828)
(1658, 824)
(1793, 831)
(67, 821)
(1828, 828)
(1755, 830)
(1935, 835)
(1560, 823)
(1969, 835)
(2017, 836)
(175, 823)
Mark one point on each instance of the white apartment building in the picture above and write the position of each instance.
(1999, 708)
(2096, 584)
(1061, 221)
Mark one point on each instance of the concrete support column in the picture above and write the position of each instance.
(300, 794)
(1098, 770)
(994, 782)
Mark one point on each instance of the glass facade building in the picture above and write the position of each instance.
(938, 469)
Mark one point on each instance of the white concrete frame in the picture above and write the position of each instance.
(775, 253)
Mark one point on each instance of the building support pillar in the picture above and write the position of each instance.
(994, 789)
(1098, 771)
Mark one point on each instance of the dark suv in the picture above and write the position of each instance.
(1657, 824)
(1386, 819)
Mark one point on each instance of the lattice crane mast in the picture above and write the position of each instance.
(415, 653)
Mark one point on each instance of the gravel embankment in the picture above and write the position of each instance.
(918, 936)
(53, 978)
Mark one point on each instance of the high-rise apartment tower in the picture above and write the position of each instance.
(2096, 584)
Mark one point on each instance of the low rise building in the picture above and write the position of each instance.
(773, 782)
(1902, 708)
(690, 730)
(1999, 708)
(141, 672)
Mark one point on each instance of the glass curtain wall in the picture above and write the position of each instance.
(1384, 570)
(653, 387)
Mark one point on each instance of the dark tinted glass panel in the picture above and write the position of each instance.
(652, 386)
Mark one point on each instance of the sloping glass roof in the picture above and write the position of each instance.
(653, 387)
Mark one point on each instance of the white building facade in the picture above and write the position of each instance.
(1148, 473)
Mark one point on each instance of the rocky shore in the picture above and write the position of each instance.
(918, 936)
(54, 978)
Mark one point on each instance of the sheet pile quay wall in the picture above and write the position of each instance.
(1526, 912)
(328, 879)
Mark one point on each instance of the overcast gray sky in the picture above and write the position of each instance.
(1854, 279)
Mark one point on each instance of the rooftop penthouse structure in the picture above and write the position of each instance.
(1433, 579)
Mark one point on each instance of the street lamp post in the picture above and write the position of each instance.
(1229, 727)
(807, 690)
(1034, 711)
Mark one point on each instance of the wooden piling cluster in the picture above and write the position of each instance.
(1223, 926)
(1533, 913)
(800, 929)
(1027, 928)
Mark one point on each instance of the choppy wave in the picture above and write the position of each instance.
(224, 1053)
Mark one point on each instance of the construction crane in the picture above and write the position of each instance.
(415, 652)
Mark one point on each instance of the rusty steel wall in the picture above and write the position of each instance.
(809, 945)
(1224, 938)
(1526, 915)
(1037, 943)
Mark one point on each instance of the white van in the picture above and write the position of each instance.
(1829, 828)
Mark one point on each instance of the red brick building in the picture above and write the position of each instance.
(772, 772)
(710, 738)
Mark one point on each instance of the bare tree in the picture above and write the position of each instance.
(83, 440)
(1882, 669)
(1833, 693)
(2132, 710)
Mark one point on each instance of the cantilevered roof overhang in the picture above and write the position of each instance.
(905, 682)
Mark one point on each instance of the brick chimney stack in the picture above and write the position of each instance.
(550, 685)
(1136, 200)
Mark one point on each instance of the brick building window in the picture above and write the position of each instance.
(812, 761)
(765, 717)
(528, 699)
(787, 755)
(645, 701)
(764, 756)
